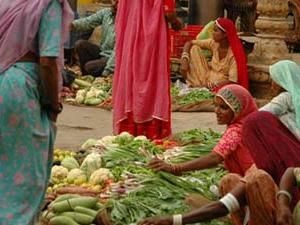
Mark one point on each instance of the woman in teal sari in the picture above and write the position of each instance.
(31, 34)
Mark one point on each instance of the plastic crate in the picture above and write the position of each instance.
(179, 38)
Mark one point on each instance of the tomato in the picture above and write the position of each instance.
(169, 144)
(158, 142)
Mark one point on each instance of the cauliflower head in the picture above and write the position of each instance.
(76, 176)
(58, 174)
(100, 176)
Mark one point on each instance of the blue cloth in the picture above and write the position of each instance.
(26, 133)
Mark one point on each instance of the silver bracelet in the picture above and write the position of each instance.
(185, 57)
(177, 219)
(285, 193)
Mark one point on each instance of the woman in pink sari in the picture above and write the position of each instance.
(141, 95)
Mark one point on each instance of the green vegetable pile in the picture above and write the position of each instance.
(71, 209)
(91, 91)
(194, 96)
(197, 136)
(157, 193)
(128, 150)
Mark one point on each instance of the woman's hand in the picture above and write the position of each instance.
(284, 216)
(157, 221)
(160, 165)
(71, 27)
(211, 85)
(184, 67)
(53, 116)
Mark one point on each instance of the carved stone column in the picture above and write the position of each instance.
(271, 26)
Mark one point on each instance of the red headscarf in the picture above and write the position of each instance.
(237, 49)
(239, 100)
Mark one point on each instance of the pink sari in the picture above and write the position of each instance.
(141, 96)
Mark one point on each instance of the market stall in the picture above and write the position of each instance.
(108, 182)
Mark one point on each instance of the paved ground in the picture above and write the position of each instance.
(77, 124)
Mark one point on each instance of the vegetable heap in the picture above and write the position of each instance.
(191, 97)
(91, 91)
(135, 192)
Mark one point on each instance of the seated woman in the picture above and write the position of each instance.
(228, 64)
(273, 147)
(276, 127)
(289, 180)
(233, 104)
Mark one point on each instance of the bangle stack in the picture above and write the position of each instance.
(186, 56)
(177, 219)
(285, 193)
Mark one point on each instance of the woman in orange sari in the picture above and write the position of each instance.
(141, 96)
(228, 63)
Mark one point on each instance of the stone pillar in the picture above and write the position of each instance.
(270, 47)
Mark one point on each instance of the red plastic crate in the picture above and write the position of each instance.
(179, 38)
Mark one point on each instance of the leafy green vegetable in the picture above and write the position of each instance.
(197, 136)
(194, 96)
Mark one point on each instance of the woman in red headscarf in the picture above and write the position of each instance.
(228, 64)
(233, 104)
(251, 199)
(141, 86)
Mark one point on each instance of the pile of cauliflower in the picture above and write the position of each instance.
(95, 94)
(88, 174)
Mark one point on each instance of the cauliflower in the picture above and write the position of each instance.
(70, 163)
(80, 96)
(91, 163)
(76, 176)
(100, 176)
(107, 140)
(89, 143)
(91, 93)
(125, 134)
(58, 174)
(93, 101)
(141, 138)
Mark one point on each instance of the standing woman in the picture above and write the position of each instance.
(141, 87)
(31, 46)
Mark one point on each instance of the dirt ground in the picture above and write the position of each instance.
(77, 124)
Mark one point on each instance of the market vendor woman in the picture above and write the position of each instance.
(233, 104)
(228, 64)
